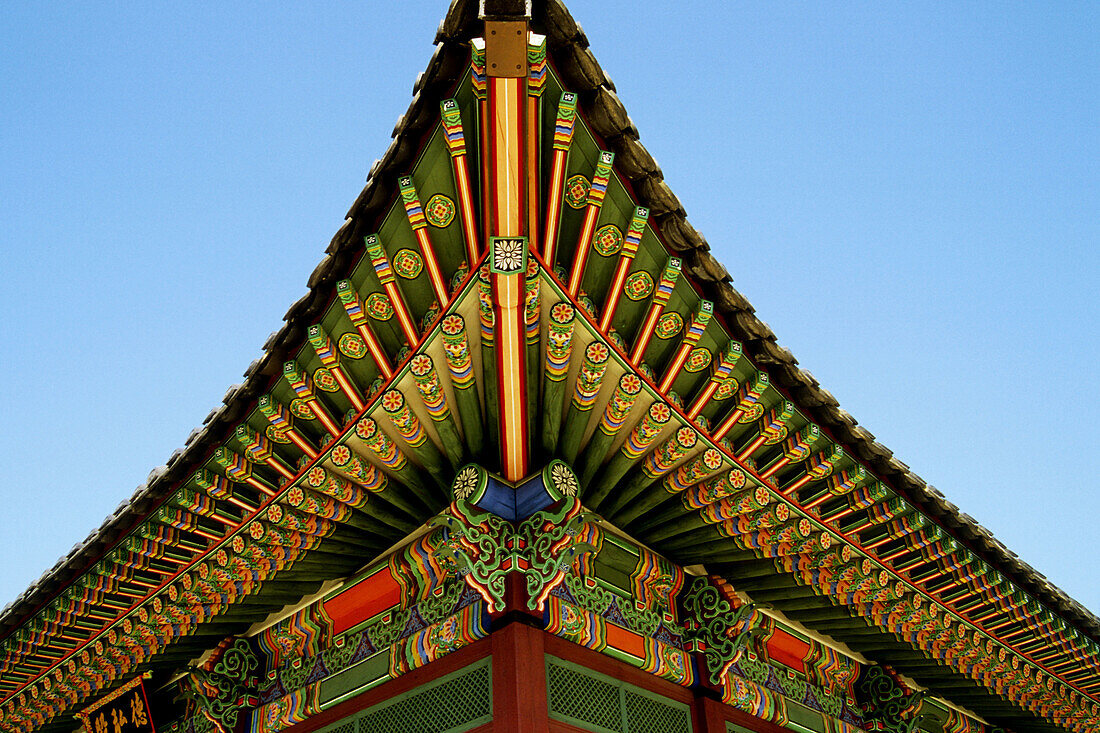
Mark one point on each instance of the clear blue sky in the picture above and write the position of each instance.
(907, 192)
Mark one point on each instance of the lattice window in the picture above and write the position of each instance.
(576, 697)
(646, 714)
(347, 727)
(452, 704)
(605, 705)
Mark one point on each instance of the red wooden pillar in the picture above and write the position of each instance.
(519, 681)
(709, 716)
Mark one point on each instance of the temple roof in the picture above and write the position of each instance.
(606, 115)
(568, 47)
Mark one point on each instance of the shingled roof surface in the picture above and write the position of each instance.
(607, 117)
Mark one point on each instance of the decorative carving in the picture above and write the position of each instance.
(478, 547)
(550, 545)
(483, 548)
(724, 631)
(223, 691)
(887, 702)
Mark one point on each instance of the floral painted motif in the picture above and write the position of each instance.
(698, 360)
(352, 346)
(639, 285)
(466, 482)
(561, 312)
(508, 254)
(276, 435)
(563, 479)
(379, 307)
(440, 211)
(669, 325)
(393, 401)
(300, 409)
(325, 381)
(726, 389)
(608, 240)
(576, 191)
(407, 264)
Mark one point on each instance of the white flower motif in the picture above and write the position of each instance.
(465, 483)
(564, 480)
(508, 255)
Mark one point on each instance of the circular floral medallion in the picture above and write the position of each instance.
(466, 483)
(276, 435)
(316, 477)
(669, 325)
(562, 312)
(564, 480)
(660, 413)
(237, 544)
(639, 285)
(420, 365)
(340, 455)
(407, 264)
(300, 408)
(608, 240)
(712, 459)
(325, 381)
(596, 352)
(697, 360)
(352, 346)
(393, 401)
(576, 191)
(365, 429)
(379, 307)
(295, 496)
(440, 211)
(630, 384)
(452, 325)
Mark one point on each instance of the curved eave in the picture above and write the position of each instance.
(605, 112)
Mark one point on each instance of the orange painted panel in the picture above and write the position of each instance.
(371, 595)
(787, 649)
(625, 641)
